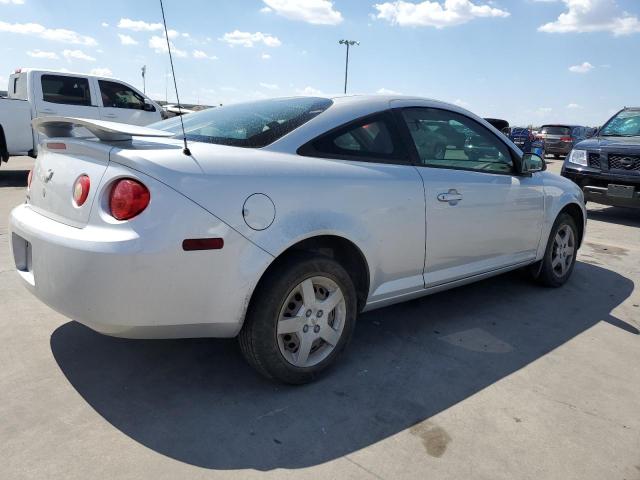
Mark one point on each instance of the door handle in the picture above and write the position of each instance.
(452, 197)
(110, 115)
(47, 110)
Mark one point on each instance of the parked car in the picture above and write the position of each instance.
(607, 166)
(38, 93)
(527, 141)
(560, 139)
(282, 221)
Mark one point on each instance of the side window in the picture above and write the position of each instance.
(449, 140)
(116, 95)
(372, 138)
(65, 89)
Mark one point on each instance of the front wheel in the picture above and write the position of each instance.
(560, 256)
(301, 318)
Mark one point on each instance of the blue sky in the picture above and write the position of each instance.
(529, 61)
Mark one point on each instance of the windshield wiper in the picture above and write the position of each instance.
(618, 135)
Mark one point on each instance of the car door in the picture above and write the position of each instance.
(378, 197)
(122, 103)
(64, 95)
(480, 215)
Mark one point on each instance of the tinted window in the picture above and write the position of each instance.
(67, 90)
(370, 138)
(556, 130)
(252, 124)
(464, 143)
(116, 95)
(624, 124)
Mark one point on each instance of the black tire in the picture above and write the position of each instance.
(258, 338)
(543, 271)
(556, 156)
(4, 153)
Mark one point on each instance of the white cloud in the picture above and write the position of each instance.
(101, 72)
(77, 55)
(53, 34)
(574, 106)
(42, 54)
(159, 45)
(12, 2)
(318, 12)
(269, 86)
(127, 40)
(139, 25)
(593, 16)
(584, 67)
(265, 56)
(387, 91)
(309, 92)
(104, 24)
(432, 13)
(199, 54)
(247, 39)
(265, 10)
(461, 103)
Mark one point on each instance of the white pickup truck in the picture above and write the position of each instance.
(39, 93)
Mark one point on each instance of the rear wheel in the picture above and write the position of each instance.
(560, 256)
(300, 319)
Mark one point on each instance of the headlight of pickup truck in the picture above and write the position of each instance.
(579, 157)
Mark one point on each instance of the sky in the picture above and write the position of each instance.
(527, 61)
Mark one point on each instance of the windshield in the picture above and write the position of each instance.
(252, 124)
(624, 124)
(556, 130)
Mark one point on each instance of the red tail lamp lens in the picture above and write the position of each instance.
(128, 198)
(565, 139)
(81, 190)
(29, 178)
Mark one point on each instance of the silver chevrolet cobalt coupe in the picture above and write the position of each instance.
(283, 220)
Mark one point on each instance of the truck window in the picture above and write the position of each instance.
(66, 90)
(117, 95)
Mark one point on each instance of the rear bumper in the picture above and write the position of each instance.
(138, 282)
(594, 184)
(558, 149)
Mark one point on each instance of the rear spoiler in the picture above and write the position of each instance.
(105, 131)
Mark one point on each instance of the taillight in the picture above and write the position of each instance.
(29, 178)
(128, 198)
(565, 139)
(81, 190)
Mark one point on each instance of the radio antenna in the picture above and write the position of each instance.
(186, 150)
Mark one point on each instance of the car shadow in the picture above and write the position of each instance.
(198, 402)
(629, 217)
(13, 178)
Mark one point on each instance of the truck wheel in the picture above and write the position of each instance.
(560, 256)
(301, 318)
(4, 153)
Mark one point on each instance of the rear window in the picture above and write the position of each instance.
(251, 125)
(66, 90)
(551, 130)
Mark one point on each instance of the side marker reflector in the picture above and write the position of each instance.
(191, 244)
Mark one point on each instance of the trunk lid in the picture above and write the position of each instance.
(55, 173)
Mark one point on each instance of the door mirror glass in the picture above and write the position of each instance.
(532, 163)
(148, 106)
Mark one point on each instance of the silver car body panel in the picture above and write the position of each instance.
(412, 243)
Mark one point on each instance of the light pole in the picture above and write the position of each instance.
(143, 70)
(348, 43)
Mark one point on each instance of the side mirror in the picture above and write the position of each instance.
(148, 106)
(532, 163)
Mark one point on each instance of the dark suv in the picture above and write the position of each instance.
(607, 166)
(560, 139)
